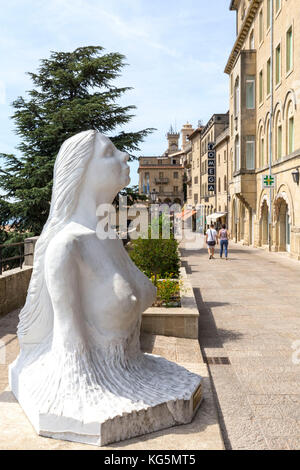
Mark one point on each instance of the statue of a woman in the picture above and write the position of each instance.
(80, 375)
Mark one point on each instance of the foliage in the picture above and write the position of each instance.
(132, 194)
(168, 290)
(7, 251)
(72, 92)
(156, 256)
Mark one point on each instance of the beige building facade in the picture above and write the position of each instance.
(264, 71)
(208, 176)
(164, 175)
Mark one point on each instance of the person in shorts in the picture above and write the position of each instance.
(211, 240)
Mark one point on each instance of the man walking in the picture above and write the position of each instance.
(211, 240)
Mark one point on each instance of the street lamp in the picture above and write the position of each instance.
(153, 196)
(295, 175)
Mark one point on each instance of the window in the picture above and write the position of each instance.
(236, 97)
(175, 175)
(225, 183)
(237, 154)
(219, 185)
(251, 41)
(289, 50)
(268, 14)
(231, 84)
(225, 156)
(279, 141)
(250, 152)
(231, 125)
(159, 162)
(250, 92)
(161, 175)
(269, 77)
(278, 64)
(291, 135)
(261, 26)
(196, 180)
(277, 5)
(174, 162)
(175, 189)
(261, 148)
(261, 86)
(219, 159)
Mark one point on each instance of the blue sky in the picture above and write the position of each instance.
(176, 51)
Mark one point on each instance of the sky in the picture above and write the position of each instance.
(176, 52)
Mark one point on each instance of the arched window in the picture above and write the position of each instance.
(237, 154)
(261, 143)
(237, 97)
(268, 141)
(290, 134)
(278, 136)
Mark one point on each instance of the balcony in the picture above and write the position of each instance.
(161, 180)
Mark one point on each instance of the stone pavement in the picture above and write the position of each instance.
(203, 433)
(250, 317)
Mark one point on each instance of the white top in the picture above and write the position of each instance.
(211, 235)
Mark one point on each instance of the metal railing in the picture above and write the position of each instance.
(5, 262)
(161, 180)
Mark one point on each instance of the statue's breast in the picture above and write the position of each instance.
(113, 291)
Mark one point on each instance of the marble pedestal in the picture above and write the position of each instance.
(127, 417)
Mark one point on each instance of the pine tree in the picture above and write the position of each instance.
(72, 92)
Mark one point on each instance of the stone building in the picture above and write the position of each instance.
(208, 176)
(222, 176)
(264, 71)
(165, 175)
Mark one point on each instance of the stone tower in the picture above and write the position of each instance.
(173, 141)
(186, 131)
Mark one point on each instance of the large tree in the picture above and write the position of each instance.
(72, 92)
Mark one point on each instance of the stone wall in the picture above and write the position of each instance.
(13, 289)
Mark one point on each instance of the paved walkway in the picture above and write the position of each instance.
(250, 316)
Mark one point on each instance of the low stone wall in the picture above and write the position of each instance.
(181, 322)
(13, 288)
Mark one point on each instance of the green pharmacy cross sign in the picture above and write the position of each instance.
(268, 181)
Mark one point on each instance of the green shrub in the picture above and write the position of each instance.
(157, 257)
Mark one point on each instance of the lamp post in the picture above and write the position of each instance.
(295, 175)
(153, 196)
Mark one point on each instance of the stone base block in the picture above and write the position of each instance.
(91, 416)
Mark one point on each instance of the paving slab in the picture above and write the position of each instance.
(250, 314)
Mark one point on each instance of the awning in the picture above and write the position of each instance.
(215, 216)
(186, 214)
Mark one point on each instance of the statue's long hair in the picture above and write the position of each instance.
(36, 317)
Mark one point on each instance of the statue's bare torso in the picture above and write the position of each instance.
(108, 290)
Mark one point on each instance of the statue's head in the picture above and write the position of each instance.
(88, 158)
(108, 171)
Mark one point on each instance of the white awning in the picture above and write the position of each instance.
(215, 216)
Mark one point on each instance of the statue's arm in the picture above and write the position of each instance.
(62, 273)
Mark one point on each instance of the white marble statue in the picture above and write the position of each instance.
(80, 375)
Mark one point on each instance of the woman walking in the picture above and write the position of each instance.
(224, 241)
(211, 240)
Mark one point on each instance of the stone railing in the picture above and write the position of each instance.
(14, 282)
